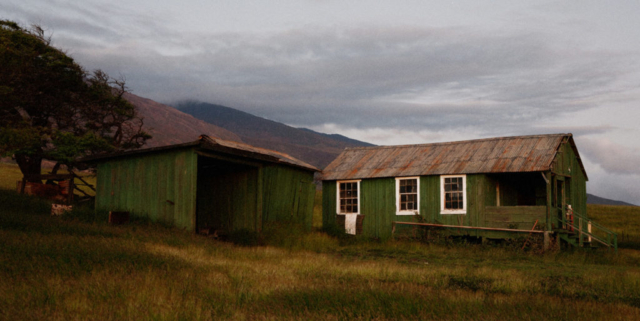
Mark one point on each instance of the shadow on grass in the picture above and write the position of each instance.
(34, 241)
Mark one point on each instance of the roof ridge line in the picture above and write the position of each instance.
(456, 142)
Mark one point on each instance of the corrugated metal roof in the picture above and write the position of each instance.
(205, 143)
(492, 155)
(241, 149)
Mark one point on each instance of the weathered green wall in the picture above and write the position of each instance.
(567, 167)
(159, 186)
(378, 204)
(288, 195)
(523, 199)
(329, 204)
(377, 198)
(515, 217)
(169, 186)
(227, 195)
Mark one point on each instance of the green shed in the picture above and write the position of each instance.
(487, 188)
(209, 184)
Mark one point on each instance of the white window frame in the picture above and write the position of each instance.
(338, 196)
(464, 195)
(407, 212)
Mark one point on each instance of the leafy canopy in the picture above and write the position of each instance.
(51, 108)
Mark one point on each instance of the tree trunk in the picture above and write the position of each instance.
(30, 166)
(55, 169)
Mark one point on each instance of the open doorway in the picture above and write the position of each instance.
(226, 196)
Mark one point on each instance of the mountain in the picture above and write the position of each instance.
(339, 137)
(170, 126)
(592, 199)
(312, 147)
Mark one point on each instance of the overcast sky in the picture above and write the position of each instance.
(385, 72)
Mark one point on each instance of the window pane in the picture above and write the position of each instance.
(408, 194)
(348, 197)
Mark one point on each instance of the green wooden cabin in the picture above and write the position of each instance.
(208, 184)
(496, 186)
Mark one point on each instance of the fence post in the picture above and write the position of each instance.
(546, 241)
(580, 241)
(393, 229)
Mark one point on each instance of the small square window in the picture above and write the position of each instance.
(453, 198)
(407, 195)
(348, 199)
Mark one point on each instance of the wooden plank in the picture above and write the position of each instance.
(259, 200)
(515, 210)
(469, 227)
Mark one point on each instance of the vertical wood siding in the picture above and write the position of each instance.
(288, 195)
(378, 205)
(377, 198)
(227, 195)
(329, 204)
(146, 186)
(567, 164)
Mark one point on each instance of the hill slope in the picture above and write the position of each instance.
(312, 147)
(170, 126)
(592, 199)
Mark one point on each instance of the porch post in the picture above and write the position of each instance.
(547, 177)
(546, 241)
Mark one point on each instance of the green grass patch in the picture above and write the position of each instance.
(72, 268)
(10, 174)
(623, 220)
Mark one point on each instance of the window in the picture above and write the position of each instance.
(407, 195)
(348, 197)
(453, 194)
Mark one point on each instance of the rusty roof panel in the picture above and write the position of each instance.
(492, 155)
(241, 149)
(215, 144)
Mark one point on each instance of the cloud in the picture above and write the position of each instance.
(367, 77)
(379, 81)
(372, 76)
(610, 156)
(614, 186)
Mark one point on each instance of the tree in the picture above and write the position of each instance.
(51, 108)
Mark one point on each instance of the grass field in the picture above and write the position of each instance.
(57, 268)
(10, 174)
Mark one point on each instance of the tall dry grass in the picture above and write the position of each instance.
(77, 269)
(623, 220)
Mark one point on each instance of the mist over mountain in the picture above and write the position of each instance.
(169, 126)
(312, 147)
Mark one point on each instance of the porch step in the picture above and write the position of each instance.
(573, 239)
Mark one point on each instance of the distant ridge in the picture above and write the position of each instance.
(169, 126)
(340, 138)
(592, 199)
(314, 148)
